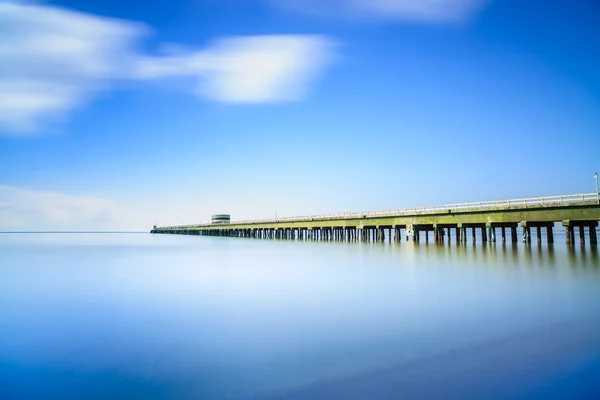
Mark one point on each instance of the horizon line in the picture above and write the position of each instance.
(53, 231)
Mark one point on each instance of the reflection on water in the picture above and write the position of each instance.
(164, 316)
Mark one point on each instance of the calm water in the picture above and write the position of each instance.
(161, 316)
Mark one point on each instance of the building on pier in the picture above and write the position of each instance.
(218, 219)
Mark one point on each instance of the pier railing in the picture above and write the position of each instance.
(547, 201)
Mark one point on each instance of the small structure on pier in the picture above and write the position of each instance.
(219, 219)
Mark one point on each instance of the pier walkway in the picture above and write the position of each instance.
(577, 213)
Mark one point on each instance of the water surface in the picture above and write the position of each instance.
(164, 316)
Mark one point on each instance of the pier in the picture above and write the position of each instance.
(498, 220)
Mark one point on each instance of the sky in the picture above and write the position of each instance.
(119, 115)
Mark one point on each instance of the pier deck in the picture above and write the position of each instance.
(576, 212)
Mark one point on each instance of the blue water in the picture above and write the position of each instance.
(164, 316)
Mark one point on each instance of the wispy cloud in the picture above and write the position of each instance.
(427, 11)
(23, 209)
(54, 60)
(247, 69)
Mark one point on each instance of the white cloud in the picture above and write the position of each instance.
(54, 60)
(247, 69)
(429, 11)
(22, 209)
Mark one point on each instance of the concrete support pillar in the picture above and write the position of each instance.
(503, 235)
(550, 233)
(484, 235)
(473, 234)
(572, 234)
(593, 236)
(513, 234)
(539, 234)
(581, 234)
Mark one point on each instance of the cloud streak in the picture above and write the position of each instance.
(23, 209)
(423, 11)
(55, 60)
(247, 69)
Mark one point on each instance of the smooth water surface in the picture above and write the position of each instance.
(162, 316)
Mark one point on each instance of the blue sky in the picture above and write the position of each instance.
(119, 115)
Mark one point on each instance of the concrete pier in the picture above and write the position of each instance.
(577, 213)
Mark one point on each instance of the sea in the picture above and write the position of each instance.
(143, 316)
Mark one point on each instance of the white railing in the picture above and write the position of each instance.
(564, 200)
